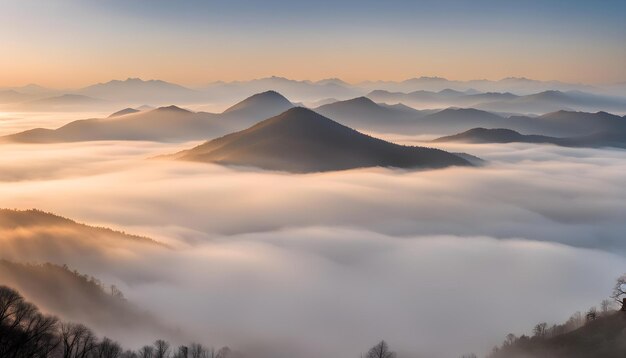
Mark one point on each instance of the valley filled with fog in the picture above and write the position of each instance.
(438, 262)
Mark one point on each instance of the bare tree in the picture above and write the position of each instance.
(606, 306)
(381, 350)
(161, 349)
(24, 331)
(619, 291)
(146, 352)
(77, 340)
(129, 354)
(183, 352)
(108, 349)
(224, 352)
(196, 350)
(540, 330)
(510, 339)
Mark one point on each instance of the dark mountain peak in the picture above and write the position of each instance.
(298, 116)
(170, 109)
(360, 101)
(264, 98)
(124, 112)
(484, 135)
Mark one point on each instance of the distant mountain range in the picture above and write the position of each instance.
(510, 95)
(302, 141)
(299, 90)
(139, 91)
(517, 85)
(537, 103)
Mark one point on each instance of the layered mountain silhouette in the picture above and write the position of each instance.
(502, 135)
(164, 124)
(301, 141)
(537, 103)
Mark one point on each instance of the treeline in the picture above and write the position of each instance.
(25, 332)
(595, 333)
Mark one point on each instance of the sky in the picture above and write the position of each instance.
(72, 43)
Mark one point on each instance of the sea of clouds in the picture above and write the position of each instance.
(438, 262)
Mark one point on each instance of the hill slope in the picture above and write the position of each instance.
(604, 337)
(79, 298)
(300, 140)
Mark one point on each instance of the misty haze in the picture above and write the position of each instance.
(297, 179)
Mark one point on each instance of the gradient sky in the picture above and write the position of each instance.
(69, 43)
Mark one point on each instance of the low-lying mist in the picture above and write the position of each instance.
(439, 262)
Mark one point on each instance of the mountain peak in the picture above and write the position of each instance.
(270, 97)
(172, 109)
(123, 112)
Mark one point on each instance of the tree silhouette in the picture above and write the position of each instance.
(381, 350)
(619, 291)
(161, 349)
(78, 341)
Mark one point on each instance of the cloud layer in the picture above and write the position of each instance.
(441, 262)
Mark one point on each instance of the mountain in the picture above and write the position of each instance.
(13, 96)
(456, 120)
(163, 124)
(65, 102)
(123, 112)
(566, 123)
(551, 101)
(257, 107)
(517, 85)
(502, 135)
(302, 141)
(364, 114)
(537, 103)
(303, 91)
(497, 135)
(22, 224)
(136, 90)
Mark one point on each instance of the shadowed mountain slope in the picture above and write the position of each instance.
(300, 140)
